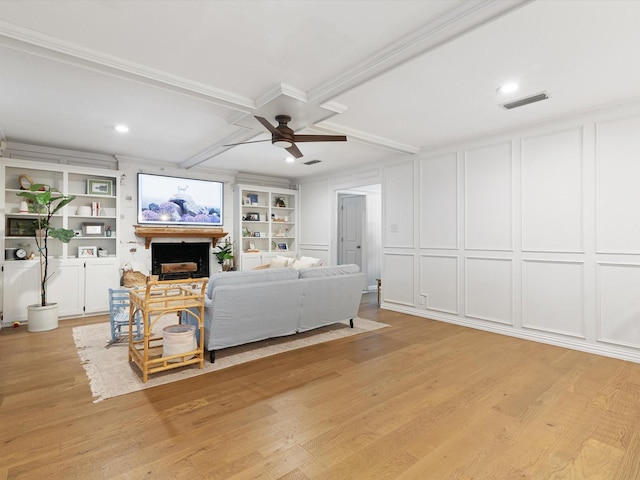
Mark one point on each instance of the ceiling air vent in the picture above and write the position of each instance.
(311, 162)
(525, 101)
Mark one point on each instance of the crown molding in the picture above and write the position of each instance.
(35, 43)
(367, 138)
(461, 19)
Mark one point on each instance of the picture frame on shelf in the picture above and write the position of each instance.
(252, 246)
(88, 251)
(92, 229)
(253, 198)
(20, 227)
(252, 217)
(99, 187)
(246, 201)
(283, 247)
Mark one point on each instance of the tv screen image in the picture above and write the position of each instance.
(179, 201)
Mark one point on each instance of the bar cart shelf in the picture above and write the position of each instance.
(154, 301)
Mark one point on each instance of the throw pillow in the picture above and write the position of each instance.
(306, 262)
(280, 262)
(315, 262)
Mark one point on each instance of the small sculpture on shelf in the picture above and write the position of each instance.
(279, 202)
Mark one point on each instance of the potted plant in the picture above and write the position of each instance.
(224, 254)
(279, 202)
(46, 201)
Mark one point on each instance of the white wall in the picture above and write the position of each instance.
(315, 220)
(318, 217)
(132, 248)
(534, 234)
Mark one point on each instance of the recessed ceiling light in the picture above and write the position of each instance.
(121, 128)
(289, 159)
(508, 88)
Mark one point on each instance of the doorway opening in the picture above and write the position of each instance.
(359, 228)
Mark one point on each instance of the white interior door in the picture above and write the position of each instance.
(351, 209)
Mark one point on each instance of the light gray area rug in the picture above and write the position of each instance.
(110, 374)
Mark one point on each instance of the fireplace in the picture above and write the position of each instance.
(172, 261)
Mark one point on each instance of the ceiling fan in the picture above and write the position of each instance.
(283, 136)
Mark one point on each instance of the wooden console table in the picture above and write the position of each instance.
(148, 233)
(154, 301)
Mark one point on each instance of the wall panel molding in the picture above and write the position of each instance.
(398, 278)
(617, 192)
(439, 202)
(553, 296)
(488, 193)
(489, 289)
(439, 282)
(618, 299)
(552, 192)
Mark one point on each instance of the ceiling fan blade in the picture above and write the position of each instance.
(243, 143)
(293, 150)
(319, 138)
(268, 126)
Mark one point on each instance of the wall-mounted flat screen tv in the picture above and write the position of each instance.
(179, 201)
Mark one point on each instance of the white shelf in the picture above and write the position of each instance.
(80, 284)
(269, 228)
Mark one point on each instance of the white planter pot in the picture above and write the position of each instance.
(41, 319)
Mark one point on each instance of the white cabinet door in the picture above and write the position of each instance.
(100, 276)
(21, 281)
(250, 261)
(65, 287)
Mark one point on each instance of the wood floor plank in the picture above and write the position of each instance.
(420, 399)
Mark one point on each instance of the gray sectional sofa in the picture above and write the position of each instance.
(247, 306)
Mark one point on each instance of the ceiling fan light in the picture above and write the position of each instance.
(283, 143)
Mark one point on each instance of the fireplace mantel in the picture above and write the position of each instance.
(148, 233)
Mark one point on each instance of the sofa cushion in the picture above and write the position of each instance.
(313, 272)
(250, 276)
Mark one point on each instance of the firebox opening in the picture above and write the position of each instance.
(172, 261)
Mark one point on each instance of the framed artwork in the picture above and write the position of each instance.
(99, 187)
(20, 227)
(252, 217)
(253, 198)
(87, 252)
(283, 246)
(92, 229)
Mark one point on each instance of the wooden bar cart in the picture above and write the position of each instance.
(156, 300)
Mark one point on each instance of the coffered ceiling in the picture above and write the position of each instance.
(396, 77)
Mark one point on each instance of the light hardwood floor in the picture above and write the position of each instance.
(418, 400)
